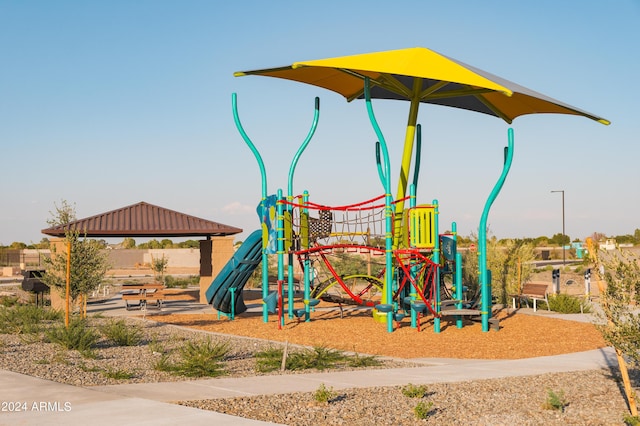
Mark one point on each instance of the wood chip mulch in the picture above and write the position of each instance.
(520, 336)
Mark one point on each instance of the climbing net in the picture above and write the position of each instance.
(342, 242)
(354, 225)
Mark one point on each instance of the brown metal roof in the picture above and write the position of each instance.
(144, 220)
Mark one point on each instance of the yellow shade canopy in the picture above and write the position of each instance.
(422, 75)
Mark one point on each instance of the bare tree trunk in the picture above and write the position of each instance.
(631, 398)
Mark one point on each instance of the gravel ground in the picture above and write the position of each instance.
(593, 397)
(29, 355)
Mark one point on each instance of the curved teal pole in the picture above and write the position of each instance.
(292, 168)
(263, 174)
(384, 169)
(485, 287)
(254, 150)
(296, 157)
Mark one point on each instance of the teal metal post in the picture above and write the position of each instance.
(436, 260)
(485, 288)
(412, 204)
(307, 265)
(263, 174)
(384, 171)
(292, 168)
(458, 283)
(233, 303)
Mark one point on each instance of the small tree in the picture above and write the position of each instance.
(512, 268)
(89, 263)
(509, 262)
(159, 266)
(622, 327)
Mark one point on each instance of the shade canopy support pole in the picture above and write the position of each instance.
(407, 153)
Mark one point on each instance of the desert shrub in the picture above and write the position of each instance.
(414, 391)
(164, 364)
(197, 359)
(363, 361)
(203, 359)
(322, 394)
(555, 401)
(172, 282)
(121, 333)
(77, 336)
(25, 319)
(509, 262)
(319, 358)
(620, 300)
(423, 409)
(269, 359)
(8, 301)
(566, 304)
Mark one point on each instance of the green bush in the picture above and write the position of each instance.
(25, 319)
(164, 364)
(630, 420)
(566, 304)
(423, 409)
(78, 336)
(555, 401)
(197, 359)
(414, 391)
(319, 357)
(122, 334)
(322, 394)
(269, 359)
(8, 301)
(363, 361)
(173, 282)
(203, 358)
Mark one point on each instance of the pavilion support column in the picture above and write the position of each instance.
(206, 268)
(214, 254)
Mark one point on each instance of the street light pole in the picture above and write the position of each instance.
(563, 233)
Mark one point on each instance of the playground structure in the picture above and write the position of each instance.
(410, 281)
(417, 258)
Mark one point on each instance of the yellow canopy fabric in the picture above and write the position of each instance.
(442, 81)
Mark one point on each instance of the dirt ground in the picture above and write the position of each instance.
(520, 336)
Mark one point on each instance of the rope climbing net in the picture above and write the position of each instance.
(356, 225)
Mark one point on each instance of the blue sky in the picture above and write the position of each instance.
(109, 103)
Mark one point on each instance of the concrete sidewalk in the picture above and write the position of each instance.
(148, 403)
(31, 401)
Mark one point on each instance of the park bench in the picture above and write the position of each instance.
(143, 293)
(534, 292)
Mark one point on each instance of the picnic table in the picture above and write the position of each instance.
(143, 293)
